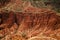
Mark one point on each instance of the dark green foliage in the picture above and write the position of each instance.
(37, 3)
(56, 4)
(36, 0)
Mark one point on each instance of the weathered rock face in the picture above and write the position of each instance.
(28, 24)
(34, 24)
(43, 19)
(7, 20)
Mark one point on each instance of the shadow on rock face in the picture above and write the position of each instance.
(4, 3)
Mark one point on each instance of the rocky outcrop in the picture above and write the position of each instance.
(33, 22)
(28, 24)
